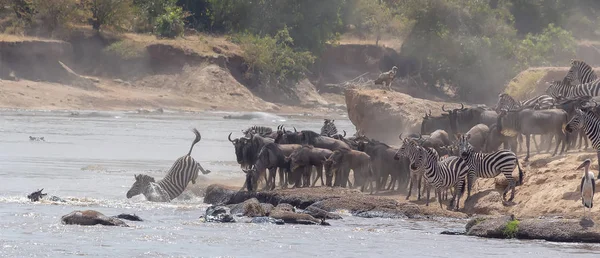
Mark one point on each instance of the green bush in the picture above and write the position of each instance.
(273, 59)
(170, 24)
(126, 49)
(511, 229)
(550, 47)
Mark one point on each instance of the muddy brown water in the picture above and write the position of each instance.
(90, 160)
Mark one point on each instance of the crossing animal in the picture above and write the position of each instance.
(562, 89)
(586, 119)
(580, 71)
(489, 165)
(417, 172)
(588, 186)
(303, 159)
(184, 170)
(386, 78)
(328, 128)
(342, 161)
(507, 102)
(443, 175)
(263, 131)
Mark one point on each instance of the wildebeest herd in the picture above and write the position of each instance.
(450, 152)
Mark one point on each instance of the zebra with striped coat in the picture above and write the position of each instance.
(184, 170)
(328, 129)
(587, 120)
(507, 102)
(580, 71)
(450, 172)
(562, 89)
(416, 167)
(489, 165)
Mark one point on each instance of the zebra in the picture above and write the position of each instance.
(562, 89)
(580, 71)
(184, 170)
(417, 172)
(328, 128)
(489, 165)
(263, 131)
(587, 119)
(451, 172)
(507, 102)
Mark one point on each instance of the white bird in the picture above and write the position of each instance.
(588, 186)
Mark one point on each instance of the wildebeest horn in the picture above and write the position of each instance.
(462, 107)
(295, 131)
(229, 137)
(344, 133)
(400, 136)
(430, 112)
(443, 109)
(283, 127)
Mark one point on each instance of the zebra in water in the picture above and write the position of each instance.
(587, 119)
(489, 165)
(451, 172)
(580, 71)
(263, 131)
(184, 170)
(507, 102)
(328, 128)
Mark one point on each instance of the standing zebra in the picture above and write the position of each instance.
(489, 165)
(416, 167)
(507, 102)
(172, 185)
(451, 172)
(580, 71)
(260, 130)
(590, 122)
(328, 128)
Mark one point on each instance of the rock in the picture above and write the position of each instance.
(249, 208)
(218, 214)
(268, 220)
(488, 227)
(89, 218)
(285, 207)
(488, 202)
(369, 109)
(320, 213)
(549, 229)
(267, 207)
(454, 232)
(218, 195)
(131, 217)
(296, 218)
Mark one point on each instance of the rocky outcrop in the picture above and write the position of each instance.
(90, 218)
(549, 229)
(383, 115)
(319, 202)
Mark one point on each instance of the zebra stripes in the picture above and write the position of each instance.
(451, 172)
(507, 102)
(580, 71)
(328, 128)
(590, 122)
(184, 170)
(489, 165)
(260, 130)
(561, 89)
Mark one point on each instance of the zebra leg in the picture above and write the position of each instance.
(598, 155)
(428, 191)
(438, 194)
(410, 186)
(204, 171)
(559, 140)
(419, 187)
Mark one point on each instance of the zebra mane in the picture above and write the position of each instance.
(144, 177)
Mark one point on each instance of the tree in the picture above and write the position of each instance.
(55, 14)
(110, 12)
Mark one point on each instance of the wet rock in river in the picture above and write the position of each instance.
(218, 214)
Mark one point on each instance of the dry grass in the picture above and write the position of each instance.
(200, 43)
(16, 38)
(525, 83)
(392, 42)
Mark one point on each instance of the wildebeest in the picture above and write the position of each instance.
(431, 123)
(272, 156)
(478, 136)
(303, 159)
(314, 139)
(238, 145)
(384, 165)
(529, 121)
(342, 161)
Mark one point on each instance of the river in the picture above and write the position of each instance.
(90, 160)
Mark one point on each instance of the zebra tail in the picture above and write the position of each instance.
(196, 140)
(520, 173)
